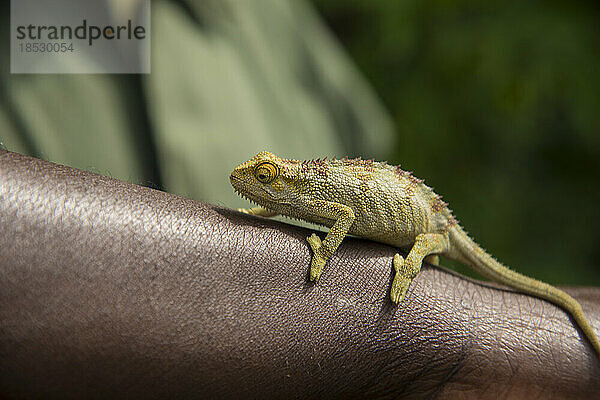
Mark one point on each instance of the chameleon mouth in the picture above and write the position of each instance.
(257, 195)
(238, 185)
(234, 178)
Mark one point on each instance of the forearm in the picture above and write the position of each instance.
(110, 288)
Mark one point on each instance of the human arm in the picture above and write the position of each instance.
(111, 289)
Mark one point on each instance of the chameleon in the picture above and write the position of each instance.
(383, 203)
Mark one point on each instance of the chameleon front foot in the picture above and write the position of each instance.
(260, 211)
(318, 261)
(401, 280)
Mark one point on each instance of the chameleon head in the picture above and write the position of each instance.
(266, 180)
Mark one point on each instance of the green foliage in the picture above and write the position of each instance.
(497, 105)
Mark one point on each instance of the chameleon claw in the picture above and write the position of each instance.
(398, 291)
(316, 268)
(318, 262)
(401, 282)
(398, 262)
(315, 242)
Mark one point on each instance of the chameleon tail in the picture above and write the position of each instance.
(464, 249)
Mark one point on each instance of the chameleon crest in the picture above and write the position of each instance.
(380, 202)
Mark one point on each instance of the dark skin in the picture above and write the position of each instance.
(112, 290)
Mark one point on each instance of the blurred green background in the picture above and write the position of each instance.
(497, 106)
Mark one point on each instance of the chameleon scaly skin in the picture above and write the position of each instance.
(380, 202)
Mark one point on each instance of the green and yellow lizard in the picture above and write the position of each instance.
(380, 202)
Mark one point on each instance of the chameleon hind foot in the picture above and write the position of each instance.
(402, 279)
(426, 244)
(318, 261)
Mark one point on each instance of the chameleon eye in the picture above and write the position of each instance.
(266, 172)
